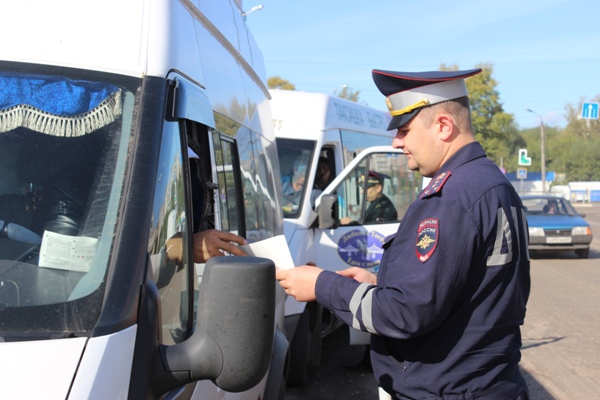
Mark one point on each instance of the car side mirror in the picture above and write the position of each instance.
(234, 334)
(328, 211)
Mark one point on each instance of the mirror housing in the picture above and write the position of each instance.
(233, 339)
(328, 211)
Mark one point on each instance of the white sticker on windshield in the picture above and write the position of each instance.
(72, 253)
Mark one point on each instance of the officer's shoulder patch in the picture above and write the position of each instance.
(427, 238)
(436, 184)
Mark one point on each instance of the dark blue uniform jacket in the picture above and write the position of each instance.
(451, 291)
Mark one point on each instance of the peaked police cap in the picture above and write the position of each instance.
(407, 92)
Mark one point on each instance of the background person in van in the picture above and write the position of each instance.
(292, 189)
(380, 207)
(322, 179)
(446, 306)
(323, 174)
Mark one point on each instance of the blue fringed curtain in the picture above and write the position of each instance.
(57, 106)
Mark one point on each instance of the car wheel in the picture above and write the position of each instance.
(584, 253)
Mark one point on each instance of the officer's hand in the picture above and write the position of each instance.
(359, 274)
(299, 282)
(212, 243)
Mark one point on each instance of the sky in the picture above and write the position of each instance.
(545, 54)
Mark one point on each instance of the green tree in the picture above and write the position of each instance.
(494, 129)
(276, 82)
(347, 93)
(574, 150)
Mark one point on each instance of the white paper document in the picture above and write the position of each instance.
(275, 248)
(73, 253)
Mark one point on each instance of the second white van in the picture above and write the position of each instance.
(340, 219)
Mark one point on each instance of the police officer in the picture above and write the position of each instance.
(380, 207)
(446, 307)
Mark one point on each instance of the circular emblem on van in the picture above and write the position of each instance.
(361, 249)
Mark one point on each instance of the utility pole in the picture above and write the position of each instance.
(543, 152)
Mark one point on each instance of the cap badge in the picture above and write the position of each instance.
(412, 107)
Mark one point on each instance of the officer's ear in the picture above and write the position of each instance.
(445, 126)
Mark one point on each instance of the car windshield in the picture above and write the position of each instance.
(294, 162)
(63, 147)
(548, 206)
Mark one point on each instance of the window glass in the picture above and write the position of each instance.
(547, 206)
(270, 223)
(170, 238)
(355, 142)
(294, 159)
(378, 190)
(64, 141)
(229, 183)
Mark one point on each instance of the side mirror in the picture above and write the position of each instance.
(233, 340)
(328, 211)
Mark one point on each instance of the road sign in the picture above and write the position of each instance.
(522, 173)
(523, 159)
(589, 110)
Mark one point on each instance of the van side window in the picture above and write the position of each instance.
(379, 190)
(170, 238)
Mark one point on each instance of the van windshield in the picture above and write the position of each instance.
(294, 162)
(63, 146)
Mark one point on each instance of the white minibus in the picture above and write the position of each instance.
(126, 126)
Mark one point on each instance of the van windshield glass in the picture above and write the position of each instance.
(294, 162)
(63, 146)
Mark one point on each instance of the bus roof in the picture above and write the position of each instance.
(129, 37)
(308, 113)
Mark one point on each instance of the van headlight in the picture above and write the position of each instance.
(536, 231)
(581, 231)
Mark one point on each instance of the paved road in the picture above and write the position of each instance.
(561, 340)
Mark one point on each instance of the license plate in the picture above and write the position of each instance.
(558, 239)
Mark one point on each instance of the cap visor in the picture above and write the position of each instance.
(403, 119)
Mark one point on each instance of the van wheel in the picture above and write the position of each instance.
(299, 353)
(584, 253)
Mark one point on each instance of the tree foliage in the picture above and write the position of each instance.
(276, 82)
(347, 93)
(574, 150)
(493, 128)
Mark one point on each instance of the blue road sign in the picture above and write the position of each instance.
(522, 173)
(589, 111)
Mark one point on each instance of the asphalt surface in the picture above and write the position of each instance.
(561, 340)
(561, 344)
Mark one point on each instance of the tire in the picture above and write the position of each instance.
(583, 253)
(299, 353)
